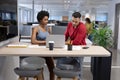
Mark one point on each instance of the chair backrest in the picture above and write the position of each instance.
(33, 63)
(67, 63)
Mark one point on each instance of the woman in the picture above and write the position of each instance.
(89, 28)
(39, 34)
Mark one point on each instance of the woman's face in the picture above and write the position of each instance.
(86, 21)
(44, 21)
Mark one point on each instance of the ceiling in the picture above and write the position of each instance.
(64, 6)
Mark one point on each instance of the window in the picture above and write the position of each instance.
(101, 17)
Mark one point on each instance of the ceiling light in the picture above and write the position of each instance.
(68, 1)
(66, 6)
(65, 1)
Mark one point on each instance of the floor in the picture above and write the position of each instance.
(115, 72)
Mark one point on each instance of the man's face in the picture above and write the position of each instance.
(75, 21)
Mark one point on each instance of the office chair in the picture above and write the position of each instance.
(67, 67)
(31, 67)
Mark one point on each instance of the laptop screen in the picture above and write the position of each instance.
(59, 40)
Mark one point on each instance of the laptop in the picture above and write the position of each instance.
(59, 41)
(59, 30)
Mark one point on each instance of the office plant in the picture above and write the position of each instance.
(102, 36)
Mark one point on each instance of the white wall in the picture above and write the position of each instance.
(119, 34)
(111, 17)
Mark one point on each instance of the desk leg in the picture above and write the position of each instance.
(101, 68)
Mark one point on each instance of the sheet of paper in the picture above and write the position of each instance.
(74, 47)
(17, 46)
(36, 46)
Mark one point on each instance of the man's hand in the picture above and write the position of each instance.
(68, 42)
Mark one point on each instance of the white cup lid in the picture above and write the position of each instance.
(51, 42)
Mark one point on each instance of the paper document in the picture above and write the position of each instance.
(17, 45)
(74, 47)
(36, 46)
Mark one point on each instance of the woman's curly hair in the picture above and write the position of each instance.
(41, 15)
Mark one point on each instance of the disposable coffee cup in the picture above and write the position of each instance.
(51, 45)
(69, 47)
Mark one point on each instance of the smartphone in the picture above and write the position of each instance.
(85, 47)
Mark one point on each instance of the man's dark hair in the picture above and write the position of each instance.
(41, 15)
(76, 15)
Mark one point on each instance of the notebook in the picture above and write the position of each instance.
(17, 46)
(59, 41)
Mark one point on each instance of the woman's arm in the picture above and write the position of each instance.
(33, 38)
(50, 30)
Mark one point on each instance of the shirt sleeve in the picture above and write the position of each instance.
(80, 36)
(67, 32)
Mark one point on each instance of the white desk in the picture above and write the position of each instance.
(102, 57)
(96, 51)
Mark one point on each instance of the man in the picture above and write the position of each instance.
(75, 34)
(76, 31)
